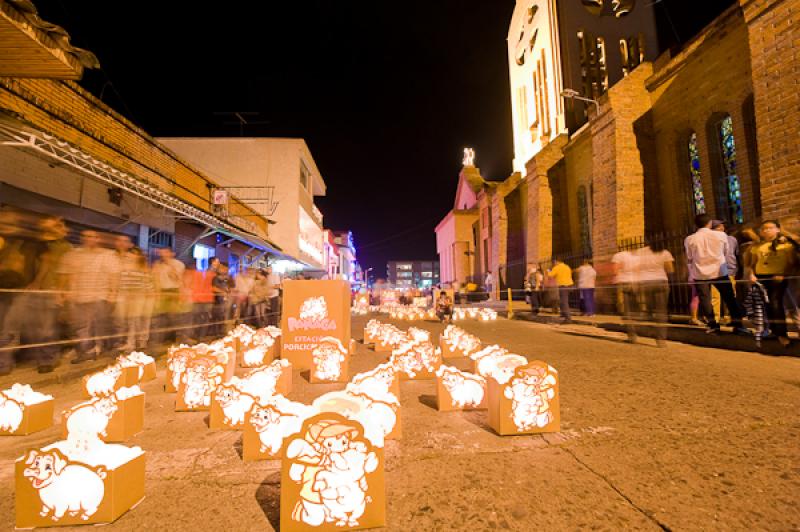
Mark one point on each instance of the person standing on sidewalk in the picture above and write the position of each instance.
(489, 283)
(586, 277)
(706, 253)
(774, 259)
(732, 263)
(625, 270)
(562, 274)
(535, 282)
(92, 277)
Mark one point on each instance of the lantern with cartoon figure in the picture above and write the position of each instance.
(332, 477)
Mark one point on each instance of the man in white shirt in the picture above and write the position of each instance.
(586, 280)
(706, 253)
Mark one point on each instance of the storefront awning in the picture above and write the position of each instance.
(64, 153)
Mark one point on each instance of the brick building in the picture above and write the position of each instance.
(707, 128)
(64, 152)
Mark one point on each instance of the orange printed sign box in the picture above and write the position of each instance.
(145, 367)
(332, 477)
(231, 401)
(329, 361)
(416, 360)
(59, 486)
(114, 418)
(311, 311)
(459, 390)
(202, 376)
(527, 403)
(24, 411)
(177, 358)
(268, 424)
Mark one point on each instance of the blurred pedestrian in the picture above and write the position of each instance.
(222, 284)
(259, 299)
(534, 283)
(653, 266)
(586, 276)
(625, 268)
(243, 285)
(199, 286)
(488, 281)
(169, 310)
(273, 296)
(123, 249)
(773, 259)
(91, 275)
(562, 274)
(136, 300)
(707, 255)
(732, 264)
(444, 307)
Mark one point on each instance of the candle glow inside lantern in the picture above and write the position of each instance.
(527, 403)
(231, 401)
(145, 366)
(332, 477)
(24, 411)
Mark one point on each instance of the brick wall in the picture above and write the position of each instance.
(707, 80)
(618, 201)
(73, 115)
(773, 28)
(539, 236)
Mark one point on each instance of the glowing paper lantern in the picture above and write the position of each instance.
(527, 403)
(202, 376)
(487, 314)
(378, 417)
(329, 361)
(145, 366)
(177, 358)
(109, 379)
(59, 485)
(24, 411)
(459, 390)
(113, 418)
(500, 367)
(379, 380)
(257, 354)
(332, 477)
(416, 360)
(231, 401)
(456, 342)
(268, 424)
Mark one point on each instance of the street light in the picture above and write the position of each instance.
(572, 94)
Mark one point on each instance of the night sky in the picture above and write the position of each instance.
(387, 94)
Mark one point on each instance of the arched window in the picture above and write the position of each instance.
(698, 198)
(730, 190)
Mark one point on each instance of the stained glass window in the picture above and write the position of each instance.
(698, 199)
(730, 188)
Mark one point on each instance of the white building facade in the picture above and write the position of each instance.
(277, 177)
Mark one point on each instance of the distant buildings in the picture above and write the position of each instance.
(413, 274)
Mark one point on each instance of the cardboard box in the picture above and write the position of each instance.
(329, 362)
(125, 421)
(130, 375)
(202, 376)
(312, 310)
(92, 494)
(344, 489)
(419, 362)
(108, 380)
(269, 356)
(528, 403)
(459, 390)
(20, 419)
(229, 407)
(267, 425)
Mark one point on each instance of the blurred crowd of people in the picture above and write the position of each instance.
(754, 275)
(102, 296)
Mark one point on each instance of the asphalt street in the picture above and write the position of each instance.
(682, 438)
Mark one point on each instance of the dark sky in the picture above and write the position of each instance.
(385, 93)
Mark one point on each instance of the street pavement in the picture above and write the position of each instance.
(682, 438)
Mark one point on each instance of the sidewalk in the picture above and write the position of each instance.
(679, 329)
